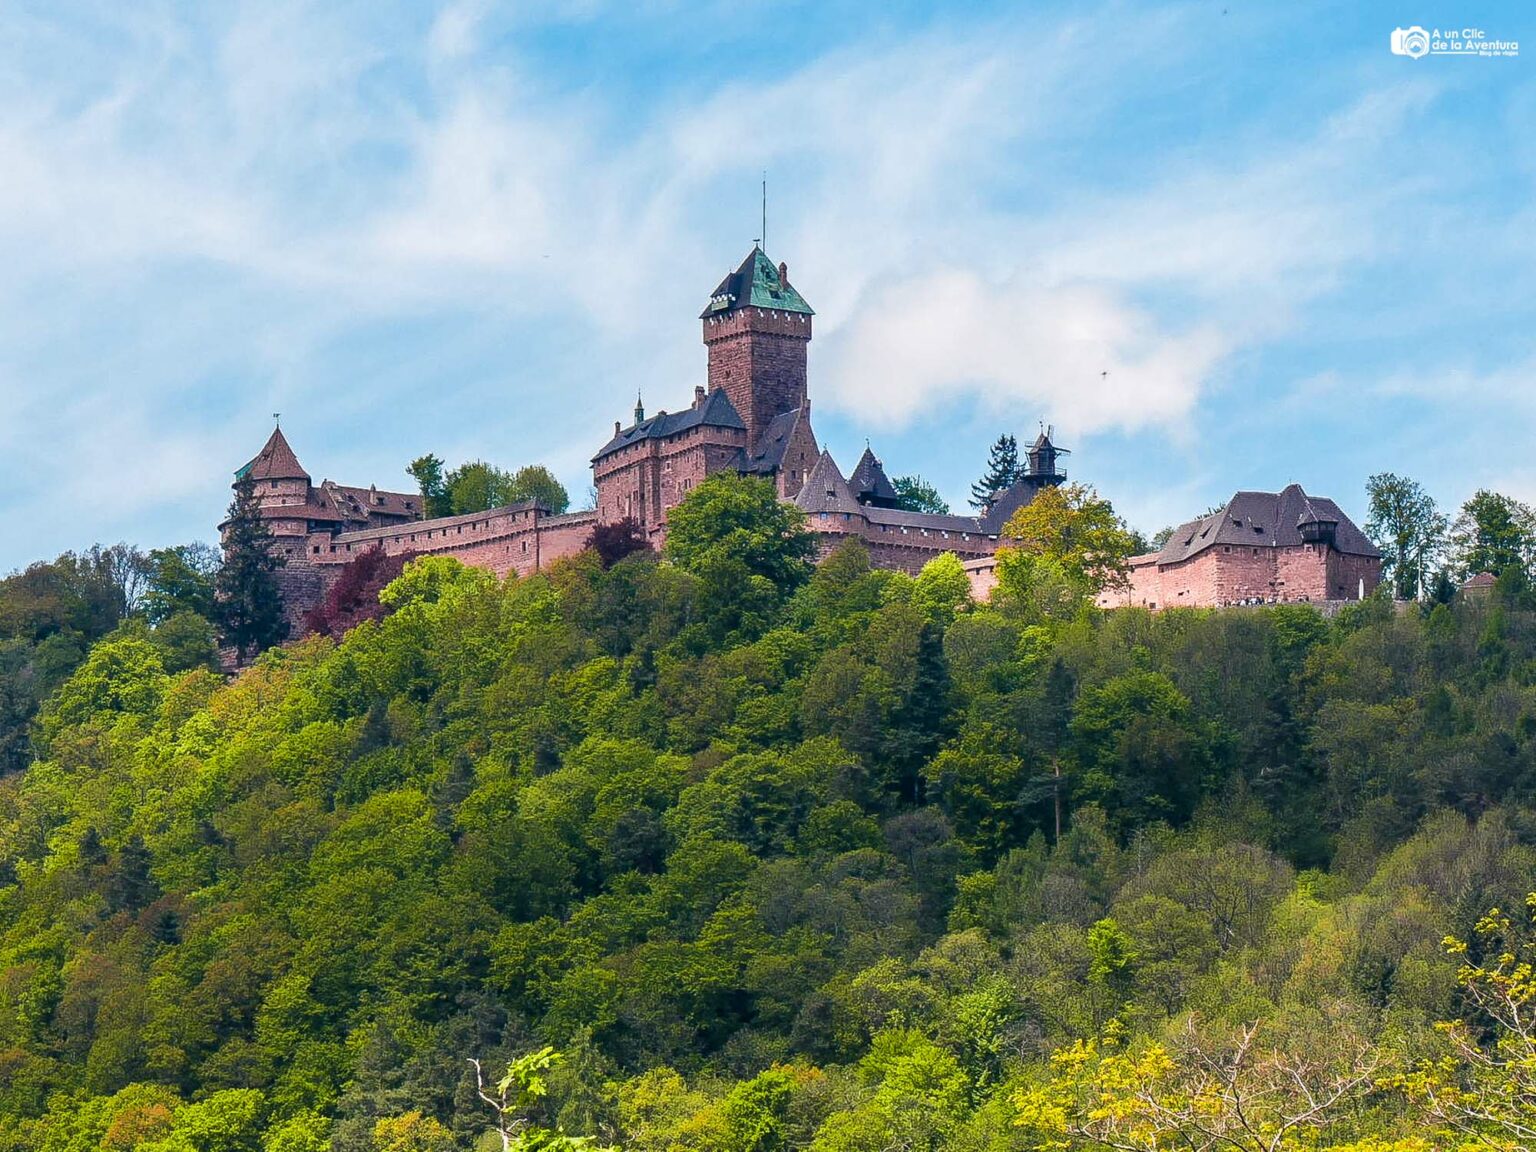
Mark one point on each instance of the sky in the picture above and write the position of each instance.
(1218, 245)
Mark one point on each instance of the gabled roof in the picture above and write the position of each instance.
(773, 443)
(361, 503)
(756, 284)
(825, 490)
(870, 483)
(716, 411)
(276, 461)
(1265, 519)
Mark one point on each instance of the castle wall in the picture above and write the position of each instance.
(1230, 574)
(502, 540)
(894, 550)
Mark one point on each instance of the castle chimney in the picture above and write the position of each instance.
(783, 273)
(698, 395)
(617, 428)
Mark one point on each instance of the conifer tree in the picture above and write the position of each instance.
(1002, 472)
(250, 602)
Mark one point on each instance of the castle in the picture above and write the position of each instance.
(752, 417)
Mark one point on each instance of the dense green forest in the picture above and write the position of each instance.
(778, 857)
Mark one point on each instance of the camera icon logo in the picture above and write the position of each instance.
(1410, 42)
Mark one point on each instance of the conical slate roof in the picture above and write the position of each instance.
(870, 483)
(276, 461)
(825, 490)
(756, 284)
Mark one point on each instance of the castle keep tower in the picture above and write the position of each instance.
(758, 329)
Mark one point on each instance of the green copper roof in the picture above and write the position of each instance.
(756, 284)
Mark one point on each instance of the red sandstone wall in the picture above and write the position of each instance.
(799, 458)
(759, 358)
(902, 552)
(1216, 577)
(647, 479)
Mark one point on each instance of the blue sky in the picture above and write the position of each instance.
(477, 229)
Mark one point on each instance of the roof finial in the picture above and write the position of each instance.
(277, 418)
(765, 210)
(639, 408)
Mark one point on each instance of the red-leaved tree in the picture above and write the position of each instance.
(354, 597)
(613, 542)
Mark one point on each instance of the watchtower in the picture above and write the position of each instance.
(758, 329)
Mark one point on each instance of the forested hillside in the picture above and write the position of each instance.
(781, 858)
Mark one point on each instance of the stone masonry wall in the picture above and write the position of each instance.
(645, 479)
(800, 456)
(1229, 574)
(759, 358)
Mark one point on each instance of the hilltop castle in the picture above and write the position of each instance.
(752, 416)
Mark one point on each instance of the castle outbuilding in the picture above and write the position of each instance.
(1258, 548)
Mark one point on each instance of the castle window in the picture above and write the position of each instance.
(1226, 547)
(272, 483)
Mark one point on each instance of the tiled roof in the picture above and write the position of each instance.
(1265, 519)
(715, 411)
(756, 284)
(933, 521)
(276, 461)
(870, 483)
(363, 502)
(772, 444)
(825, 490)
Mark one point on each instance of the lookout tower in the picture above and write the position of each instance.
(758, 329)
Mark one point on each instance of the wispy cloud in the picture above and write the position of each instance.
(348, 212)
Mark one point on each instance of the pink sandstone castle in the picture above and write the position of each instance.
(754, 417)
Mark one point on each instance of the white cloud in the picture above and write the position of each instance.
(1079, 355)
(233, 199)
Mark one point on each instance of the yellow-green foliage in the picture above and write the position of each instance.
(779, 859)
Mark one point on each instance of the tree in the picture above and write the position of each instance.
(915, 494)
(517, 1094)
(354, 597)
(1410, 531)
(180, 579)
(1206, 1093)
(750, 550)
(536, 482)
(249, 600)
(477, 487)
(1002, 472)
(428, 473)
(1493, 533)
(613, 542)
(1484, 1088)
(1073, 526)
